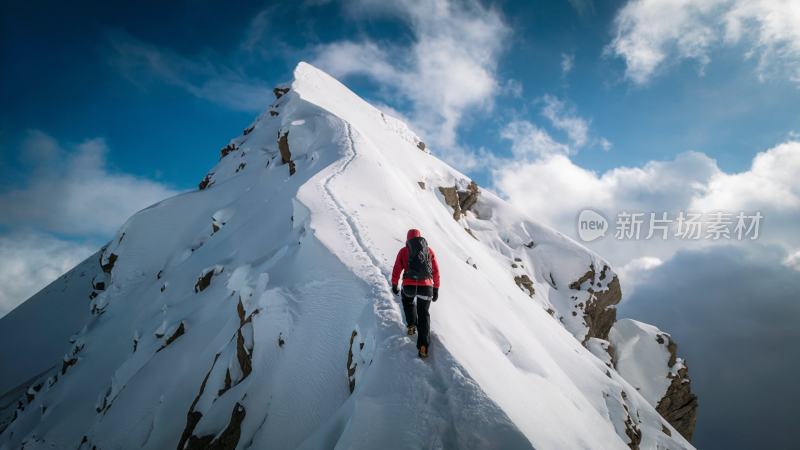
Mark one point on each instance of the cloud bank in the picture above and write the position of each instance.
(68, 192)
(649, 35)
(448, 68)
(735, 322)
(74, 191)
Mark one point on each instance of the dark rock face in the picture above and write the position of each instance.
(351, 365)
(280, 91)
(225, 151)
(109, 265)
(204, 281)
(206, 181)
(460, 200)
(178, 333)
(598, 315)
(679, 404)
(524, 282)
(286, 154)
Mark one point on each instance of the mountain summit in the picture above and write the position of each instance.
(256, 312)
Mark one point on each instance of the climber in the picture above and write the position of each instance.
(421, 281)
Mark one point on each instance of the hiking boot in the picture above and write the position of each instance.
(423, 351)
(412, 330)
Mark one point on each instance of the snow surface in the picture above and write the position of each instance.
(642, 357)
(264, 297)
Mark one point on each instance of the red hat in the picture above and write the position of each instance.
(413, 233)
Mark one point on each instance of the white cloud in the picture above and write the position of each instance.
(633, 270)
(576, 128)
(583, 7)
(29, 261)
(567, 63)
(448, 69)
(793, 260)
(649, 34)
(143, 63)
(691, 181)
(74, 192)
(528, 140)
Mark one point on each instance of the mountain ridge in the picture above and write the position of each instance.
(322, 184)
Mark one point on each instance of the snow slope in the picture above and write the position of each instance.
(256, 311)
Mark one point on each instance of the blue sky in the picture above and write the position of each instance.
(643, 105)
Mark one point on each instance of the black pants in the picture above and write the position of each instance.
(419, 316)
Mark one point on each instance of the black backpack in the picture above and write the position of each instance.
(419, 260)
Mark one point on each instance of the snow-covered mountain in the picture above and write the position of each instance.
(256, 312)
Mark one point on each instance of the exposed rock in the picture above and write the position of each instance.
(525, 283)
(460, 200)
(227, 150)
(530, 244)
(227, 440)
(679, 404)
(286, 154)
(421, 184)
(421, 145)
(273, 113)
(243, 355)
(248, 130)
(632, 431)
(67, 363)
(471, 234)
(109, 265)
(469, 197)
(351, 365)
(178, 333)
(241, 166)
(99, 285)
(193, 417)
(599, 313)
(280, 91)
(206, 181)
(205, 279)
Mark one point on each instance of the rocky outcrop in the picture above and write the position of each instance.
(461, 200)
(206, 182)
(525, 283)
(175, 335)
(107, 264)
(286, 154)
(351, 365)
(205, 278)
(631, 428)
(280, 91)
(635, 350)
(679, 404)
(225, 151)
(598, 311)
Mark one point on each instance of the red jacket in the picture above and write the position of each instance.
(401, 264)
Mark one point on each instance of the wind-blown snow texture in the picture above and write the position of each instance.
(256, 311)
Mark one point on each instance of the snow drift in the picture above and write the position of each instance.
(255, 312)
